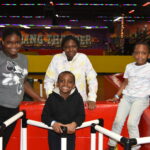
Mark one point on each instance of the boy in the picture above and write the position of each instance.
(64, 107)
(136, 91)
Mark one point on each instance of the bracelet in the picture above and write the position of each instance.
(116, 96)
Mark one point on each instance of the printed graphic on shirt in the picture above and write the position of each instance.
(14, 77)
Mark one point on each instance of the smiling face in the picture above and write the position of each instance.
(12, 45)
(141, 54)
(66, 82)
(70, 48)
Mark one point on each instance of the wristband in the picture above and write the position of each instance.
(116, 96)
(52, 123)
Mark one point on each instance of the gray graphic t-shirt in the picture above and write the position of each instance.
(12, 75)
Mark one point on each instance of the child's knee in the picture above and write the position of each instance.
(132, 125)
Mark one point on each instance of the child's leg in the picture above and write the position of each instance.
(122, 112)
(71, 142)
(136, 111)
(54, 140)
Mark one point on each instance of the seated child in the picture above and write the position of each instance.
(63, 108)
(136, 91)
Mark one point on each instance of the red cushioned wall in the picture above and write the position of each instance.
(37, 138)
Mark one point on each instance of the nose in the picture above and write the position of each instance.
(65, 83)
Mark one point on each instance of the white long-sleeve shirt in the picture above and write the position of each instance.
(80, 66)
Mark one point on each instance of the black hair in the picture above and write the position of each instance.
(66, 72)
(143, 43)
(70, 37)
(9, 31)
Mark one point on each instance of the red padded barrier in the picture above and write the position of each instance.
(37, 137)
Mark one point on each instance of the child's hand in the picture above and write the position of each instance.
(114, 99)
(90, 105)
(57, 127)
(71, 127)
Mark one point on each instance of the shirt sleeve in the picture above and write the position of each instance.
(46, 113)
(126, 73)
(81, 112)
(91, 80)
(50, 77)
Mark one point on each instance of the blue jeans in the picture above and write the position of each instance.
(132, 107)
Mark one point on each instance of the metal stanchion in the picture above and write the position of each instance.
(100, 135)
(64, 138)
(23, 138)
(93, 138)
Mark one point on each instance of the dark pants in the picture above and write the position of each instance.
(6, 113)
(54, 141)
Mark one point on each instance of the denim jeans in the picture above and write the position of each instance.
(132, 107)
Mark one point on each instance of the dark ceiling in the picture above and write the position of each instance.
(91, 10)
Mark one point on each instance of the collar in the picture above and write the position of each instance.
(56, 90)
(63, 53)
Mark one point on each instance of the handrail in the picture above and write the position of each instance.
(109, 133)
(42, 125)
(143, 140)
(13, 118)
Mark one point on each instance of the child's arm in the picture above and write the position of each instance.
(30, 91)
(118, 94)
(47, 113)
(80, 117)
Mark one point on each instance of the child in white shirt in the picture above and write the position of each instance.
(136, 91)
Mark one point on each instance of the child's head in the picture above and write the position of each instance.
(11, 41)
(141, 53)
(66, 82)
(70, 45)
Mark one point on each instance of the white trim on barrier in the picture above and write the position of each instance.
(143, 140)
(108, 133)
(13, 118)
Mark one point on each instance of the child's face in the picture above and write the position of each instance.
(66, 83)
(12, 44)
(141, 54)
(70, 49)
